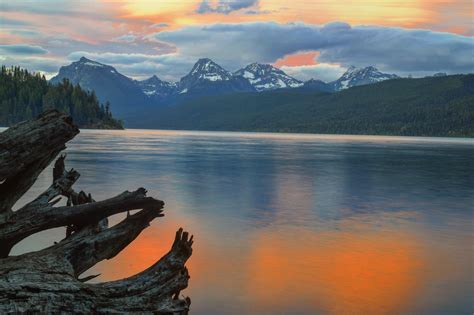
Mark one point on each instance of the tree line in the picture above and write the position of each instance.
(24, 95)
(435, 106)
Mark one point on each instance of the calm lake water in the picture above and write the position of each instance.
(293, 224)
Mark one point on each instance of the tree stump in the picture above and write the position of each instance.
(47, 281)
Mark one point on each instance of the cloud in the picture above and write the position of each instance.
(322, 71)
(25, 33)
(85, 8)
(394, 50)
(12, 22)
(92, 10)
(388, 48)
(159, 25)
(64, 45)
(128, 38)
(256, 12)
(170, 53)
(225, 6)
(46, 65)
(23, 49)
(167, 66)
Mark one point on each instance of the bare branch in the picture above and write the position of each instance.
(47, 281)
(27, 149)
(48, 217)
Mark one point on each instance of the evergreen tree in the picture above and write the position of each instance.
(24, 95)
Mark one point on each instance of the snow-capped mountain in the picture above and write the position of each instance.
(109, 85)
(360, 76)
(264, 77)
(207, 77)
(155, 88)
(207, 70)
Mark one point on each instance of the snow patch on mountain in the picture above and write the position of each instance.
(93, 64)
(208, 78)
(265, 77)
(360, 76)
(154, 87)
(206, 69)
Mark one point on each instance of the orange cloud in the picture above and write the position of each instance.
(403, 13)
(298, 59)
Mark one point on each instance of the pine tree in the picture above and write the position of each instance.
(24, 95)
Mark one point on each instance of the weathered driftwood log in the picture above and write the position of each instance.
(47, 281)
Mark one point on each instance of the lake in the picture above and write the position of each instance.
(293, 224)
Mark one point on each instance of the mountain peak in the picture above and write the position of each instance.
(262, 68)
(204, 60)
(207, 70)
(206, 75)
(312, 80)
(360, 76)
(206, 65)
(153, 79)
(109, 84)
(318, 86)
(267, 77)
(88, 62)
(155, 87)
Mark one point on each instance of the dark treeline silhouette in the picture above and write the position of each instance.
(433, 106)
(24, 95)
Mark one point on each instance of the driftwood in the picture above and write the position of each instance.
(48, 281)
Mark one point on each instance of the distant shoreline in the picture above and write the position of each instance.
(291, 134)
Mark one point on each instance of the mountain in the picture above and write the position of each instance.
(137, 102)
(208, 78)
(433, 106)
(265, 77)
(24, 95)
(109, 85)
(155, 88)
(317, 86)
(360, 76)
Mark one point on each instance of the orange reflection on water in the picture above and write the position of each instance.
(355, 269)
(337, 272)
(143, 252)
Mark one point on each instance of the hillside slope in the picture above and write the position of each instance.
(434, 106)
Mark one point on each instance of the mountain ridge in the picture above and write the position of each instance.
(206, 78)
(154, 87)
(122, 92)
(360, 76)
(265, 77)
(431, 106)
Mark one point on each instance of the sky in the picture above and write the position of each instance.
(306, 38)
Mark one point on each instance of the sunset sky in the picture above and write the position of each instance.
(306, 38)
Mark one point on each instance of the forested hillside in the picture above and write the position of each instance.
(434, 106)
(23, 95)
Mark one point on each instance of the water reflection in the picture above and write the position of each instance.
(367, 272)
(294, 224)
